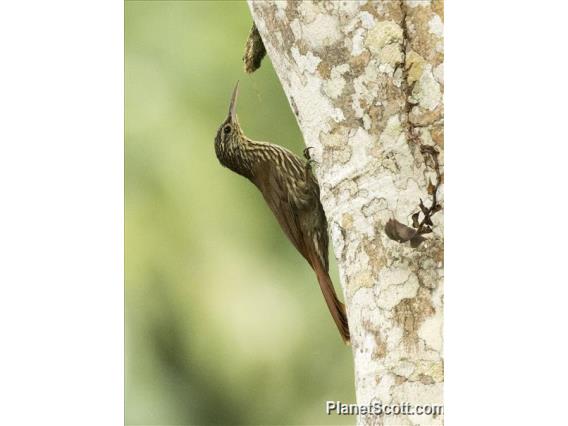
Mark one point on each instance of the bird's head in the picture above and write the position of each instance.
(229, 133)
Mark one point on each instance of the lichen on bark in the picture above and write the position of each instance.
(365, 81)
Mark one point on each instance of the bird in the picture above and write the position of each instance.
(292, 193)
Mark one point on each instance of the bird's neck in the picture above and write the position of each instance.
(241, 156)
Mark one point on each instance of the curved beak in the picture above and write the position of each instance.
(233, 105)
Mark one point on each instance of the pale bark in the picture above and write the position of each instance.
(364, 80)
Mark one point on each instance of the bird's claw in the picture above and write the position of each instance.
(307, 155)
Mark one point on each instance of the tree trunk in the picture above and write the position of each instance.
(364, 80)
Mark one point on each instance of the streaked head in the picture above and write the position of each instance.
(229, 131)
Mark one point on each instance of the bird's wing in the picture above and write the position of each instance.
(278, 190)
(324, 240)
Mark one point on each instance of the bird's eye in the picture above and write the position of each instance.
(227, 128)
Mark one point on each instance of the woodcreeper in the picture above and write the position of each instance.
(290, 189)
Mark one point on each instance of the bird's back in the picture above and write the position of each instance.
(292, 193)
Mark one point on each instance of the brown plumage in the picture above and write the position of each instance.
(292, 193)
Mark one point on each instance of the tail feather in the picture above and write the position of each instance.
(336, 308)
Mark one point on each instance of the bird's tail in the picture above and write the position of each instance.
(336, 308)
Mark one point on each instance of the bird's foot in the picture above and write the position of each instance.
(309, 157)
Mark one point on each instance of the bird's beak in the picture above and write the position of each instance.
(233, 105)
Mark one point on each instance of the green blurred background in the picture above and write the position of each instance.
(224, 320)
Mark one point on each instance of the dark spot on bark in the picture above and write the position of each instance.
(359, 62)
(294, 107)
(426, 380)
(409, 314)
(324, 70)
